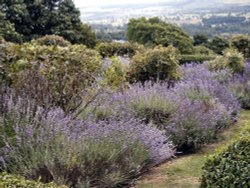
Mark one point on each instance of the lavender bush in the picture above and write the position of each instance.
(79, 153)
(191, 113)
(240, 86)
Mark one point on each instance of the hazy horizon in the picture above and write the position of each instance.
(100, 3)
(94, 3)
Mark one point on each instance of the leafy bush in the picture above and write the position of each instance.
(197, 58)
(92, 154)
(53, 75)
(229, 167)
(155, 64)
(52, 40)
(218, 44)
(242, 44)
(153, 31)
(231, 59)
(7, 181)
(201, 54)
(7, 54)
(115, 74)
(117, 49)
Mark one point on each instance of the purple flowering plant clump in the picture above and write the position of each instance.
(79, 153)
(240, 86)
(192, 112)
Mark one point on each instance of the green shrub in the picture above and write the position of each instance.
(201, 54)
(231, 59)
(230, 167)
(242, 44)
(218, 44)
(155, 64)
(7, 55)
(117, 49)
(115, 74)
(13, 181)
(52, 40)
(53, 75)
(199, 58)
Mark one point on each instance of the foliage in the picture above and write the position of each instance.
(231, 59)
(218, 44)
(52, 40)
(52, 75)
(229, 167)
(242, 44)
(7, 181)
(201, 54)
(7, 54)
(153, 32)
(32, 19)
(92, 154)
(7, 30)
(200, 39)
(155, 64)
(115, 74)
(117, 49)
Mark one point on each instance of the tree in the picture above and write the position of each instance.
(7, 30)
(200, 39)
(218, 44)
(153, 32)
(242, 44)
(36, 18)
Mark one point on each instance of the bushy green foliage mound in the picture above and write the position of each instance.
(242, 44)
(231, 59)
(153, 32)
(201, 54)
(218, 44)
(12, 181)
(52, 40)
(52, 75)
(155, 64)
(115, 48)
(229, 168)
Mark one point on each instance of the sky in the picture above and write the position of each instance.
(88, 3)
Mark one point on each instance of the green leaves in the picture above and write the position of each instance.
(155, 64)
(153, 32)
(27, 20)
(7, 181)
(230, 167)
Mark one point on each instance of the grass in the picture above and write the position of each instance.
(185, 171)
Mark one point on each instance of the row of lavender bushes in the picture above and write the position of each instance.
(191, 113)
(116, 135)
(104, 138)
(68, 151)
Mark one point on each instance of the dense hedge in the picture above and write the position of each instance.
(197, 58)
(115, 48)
(231, 59)
(229, 168)
(12, 181)
(52, 75)
(159, 63)
(52, 40)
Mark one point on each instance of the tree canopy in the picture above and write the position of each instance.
(153, 31)
(35, 18)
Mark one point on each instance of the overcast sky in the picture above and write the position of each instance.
(87, 3)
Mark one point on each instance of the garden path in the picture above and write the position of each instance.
(185, 171)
